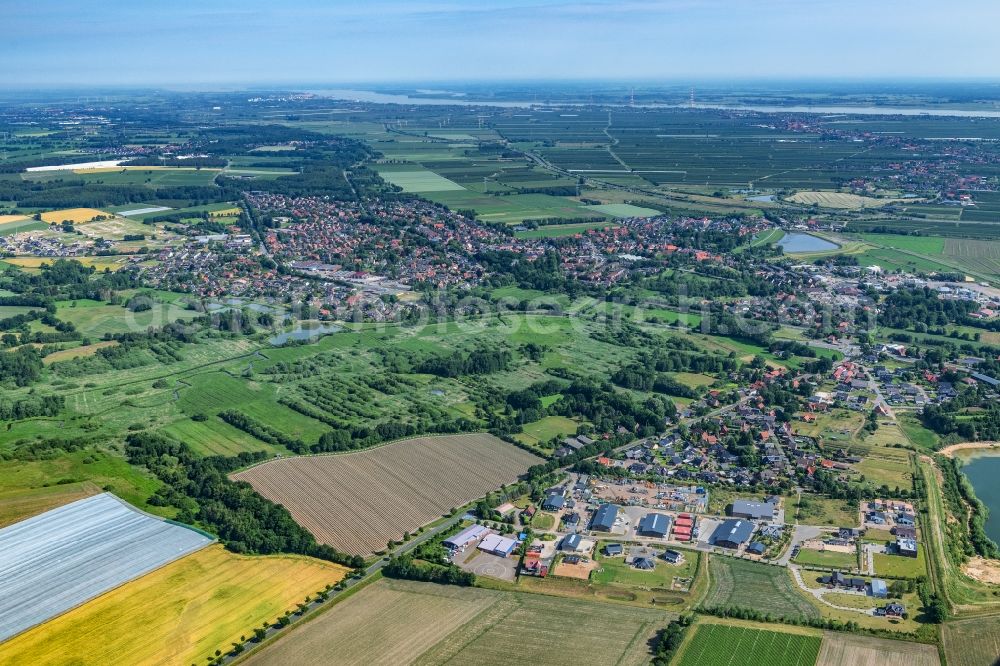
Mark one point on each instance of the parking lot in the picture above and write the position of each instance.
(491, 566)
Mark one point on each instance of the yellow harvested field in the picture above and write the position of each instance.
(74, 215)
(180, 614)
(358, 502)
(838, 200)
(851, 650)
(28, 262)
(83, 350)
(7, 219)
(99, 263)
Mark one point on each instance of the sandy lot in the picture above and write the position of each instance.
(580, 570)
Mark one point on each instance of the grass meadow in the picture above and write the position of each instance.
(765, 588)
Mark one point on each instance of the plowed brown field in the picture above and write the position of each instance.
(358, 502)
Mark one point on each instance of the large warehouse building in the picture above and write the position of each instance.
(732, 533)
(753, 510)
(604, 518)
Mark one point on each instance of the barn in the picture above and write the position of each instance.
(465, 537)
(604, 518)
(497, 545)
(732, 533)
(654, 525)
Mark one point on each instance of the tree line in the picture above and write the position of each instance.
(199, 487)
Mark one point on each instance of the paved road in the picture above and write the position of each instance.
(801, 533)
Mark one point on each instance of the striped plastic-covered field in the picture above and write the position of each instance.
(64, 557)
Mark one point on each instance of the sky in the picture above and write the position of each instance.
(258, 42)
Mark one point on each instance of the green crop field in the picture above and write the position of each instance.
(972, 642)
(419, 180)
(153, 177)
(723, 645)
(625, 210)
(20, 226)
(214, 437)
(515, 207)
(919, 244)
(765, 588)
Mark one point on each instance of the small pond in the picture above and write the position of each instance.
(800, 242)
(302, 334)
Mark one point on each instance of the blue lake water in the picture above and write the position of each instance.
(799, 242)
(302, 334)
(983, 470)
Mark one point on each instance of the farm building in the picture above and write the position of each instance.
(732, 533)
(654, 525)
(752, 510)
(879, 590)
(674, 556)
(906, 547)
(465, 537)
(497, 545)
(613, 549)
(756, 548)
(604, 518)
